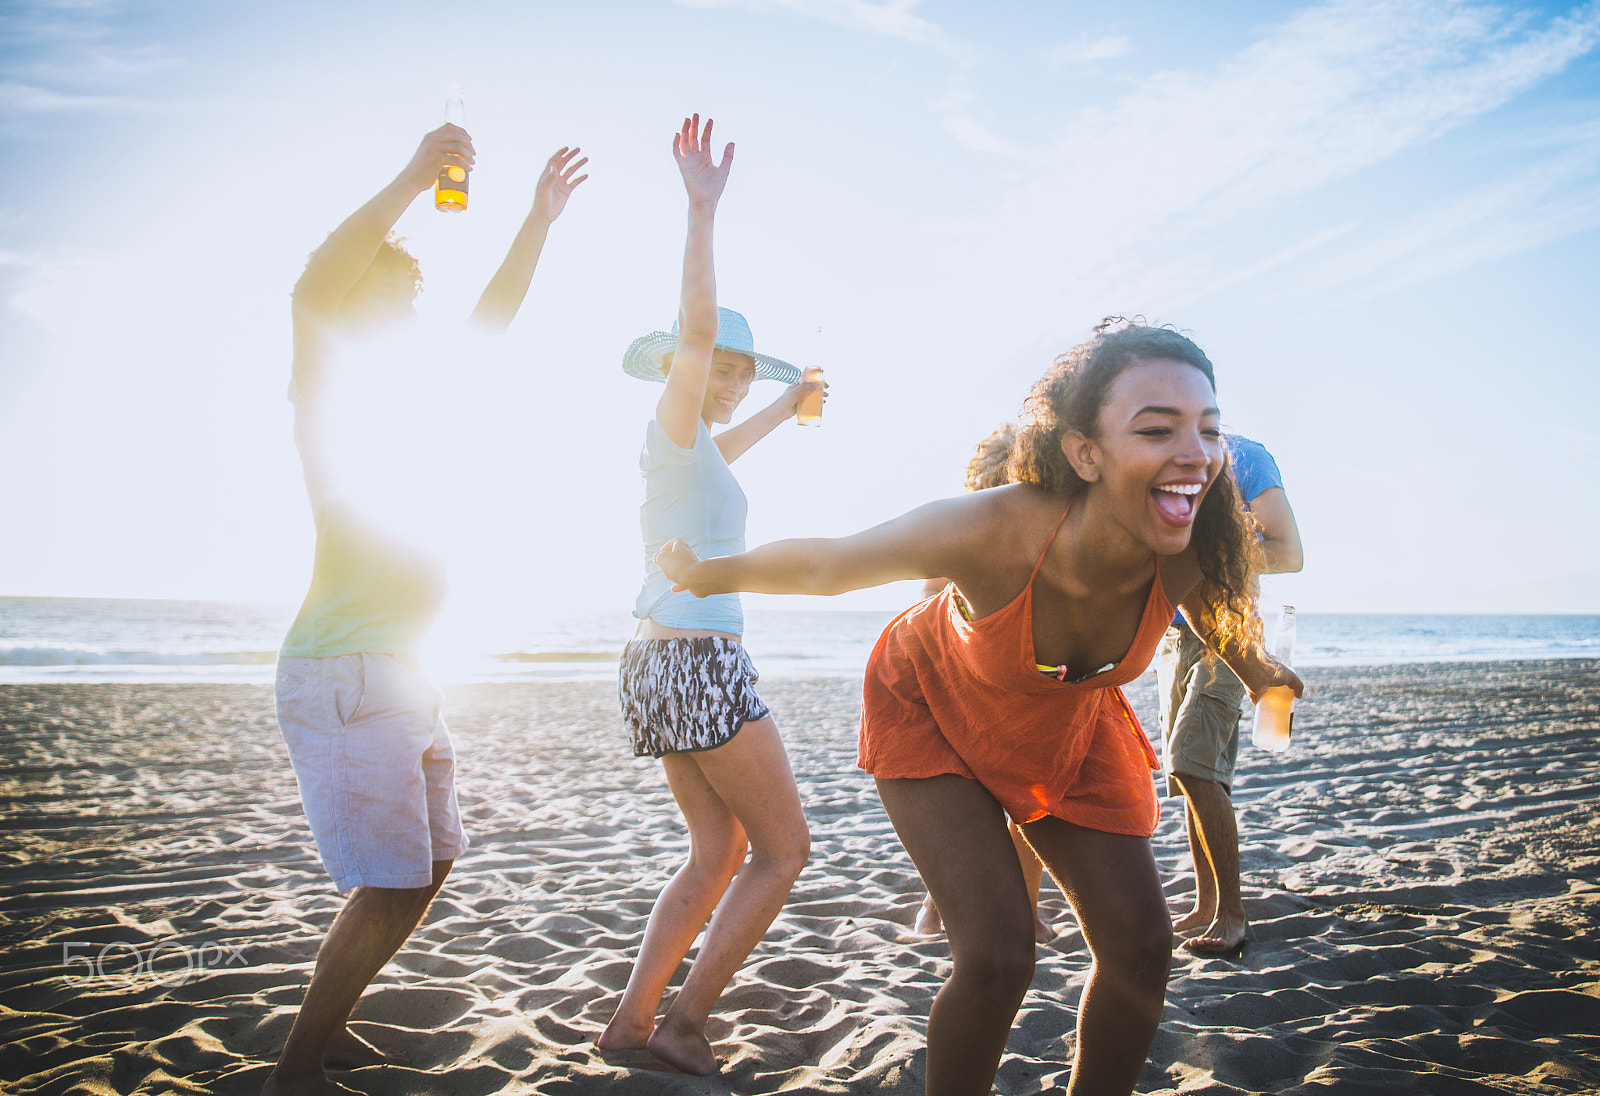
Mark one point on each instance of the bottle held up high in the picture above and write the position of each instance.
(450, 188)
(1275, 713)
(809, 412)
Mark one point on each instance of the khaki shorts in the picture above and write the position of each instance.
(1200, 707)
(375, 765)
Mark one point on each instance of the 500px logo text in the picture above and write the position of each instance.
(164, 964)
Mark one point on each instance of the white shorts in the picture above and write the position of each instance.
(375, 765)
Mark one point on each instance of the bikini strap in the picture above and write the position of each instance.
(1038, 563)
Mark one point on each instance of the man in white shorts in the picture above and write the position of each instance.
(370, 750)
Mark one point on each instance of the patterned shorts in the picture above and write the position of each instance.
(680, 695)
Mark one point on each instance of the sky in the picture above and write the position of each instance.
(1380, 220)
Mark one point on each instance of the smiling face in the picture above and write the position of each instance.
(727, 385)
(1158, 450)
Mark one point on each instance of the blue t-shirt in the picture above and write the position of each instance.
(1254, 471)
(688, 493)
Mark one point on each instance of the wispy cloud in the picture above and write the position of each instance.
(1546, 201)
(95, 66)
(1088, 51)
(1333, 90)
(18, 98)
(63, 55)
(894, 18)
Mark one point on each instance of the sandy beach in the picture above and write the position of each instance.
(1422, 872)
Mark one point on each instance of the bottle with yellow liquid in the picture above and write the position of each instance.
(1275, 713)
(450, 188)
(809, 413)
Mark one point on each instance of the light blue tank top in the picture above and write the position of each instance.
(688, 493)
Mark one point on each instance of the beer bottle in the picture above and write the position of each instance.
(450, 188)
(809, 413)
(1275, 713)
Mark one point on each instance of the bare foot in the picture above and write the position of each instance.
(347, 1050)
(928, 921)
(619, 1035)
(1042, 932)
(1224, 937)
(313, 1085)
(1193, 922)
(678, 1044)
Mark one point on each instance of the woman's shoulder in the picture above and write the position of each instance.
(1017, 503)
(1002, 532)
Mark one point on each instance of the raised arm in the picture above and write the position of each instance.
(735, 441)
(336, 266)
(330, 274)
(703, 181)
(504, 295)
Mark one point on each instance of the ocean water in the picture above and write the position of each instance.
(101, 639)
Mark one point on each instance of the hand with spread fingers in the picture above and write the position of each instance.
(703, 177)
(557, 182)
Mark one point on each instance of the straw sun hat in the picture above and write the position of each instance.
(643, 359)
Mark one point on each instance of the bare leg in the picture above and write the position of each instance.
(751, 775)
(717, 846)
(1033, 875)
(1204, 910)
(1214, 844)
(929, 923)
(743, 788)
(1112, 883)
(956, 835)
(373, 925)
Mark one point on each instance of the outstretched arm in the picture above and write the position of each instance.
(935, 539)
(703, 181)
(735, 441)
(504, 295)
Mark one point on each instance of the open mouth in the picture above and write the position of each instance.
(1176, 501)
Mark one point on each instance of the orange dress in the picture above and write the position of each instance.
(947, 695)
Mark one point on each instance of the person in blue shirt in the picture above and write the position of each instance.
(1200, 709)
(685, 682)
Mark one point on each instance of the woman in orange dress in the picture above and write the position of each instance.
(1002, 694)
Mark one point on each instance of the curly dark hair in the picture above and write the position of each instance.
(990, 462)
(1069, 397)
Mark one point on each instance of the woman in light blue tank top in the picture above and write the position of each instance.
(686, 685)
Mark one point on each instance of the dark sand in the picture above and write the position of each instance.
(1422, 873)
